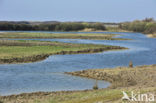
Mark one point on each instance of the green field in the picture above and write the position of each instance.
(12, 51)
(97, 36)
(15, 51)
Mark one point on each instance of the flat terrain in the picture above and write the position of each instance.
(21, 51)
(97, 36)
(151, 35)
(138, 79)
(143, 76)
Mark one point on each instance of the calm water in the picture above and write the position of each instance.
(47, 75)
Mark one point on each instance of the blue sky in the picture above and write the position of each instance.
(77, 10)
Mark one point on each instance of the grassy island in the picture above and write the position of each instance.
(95, 36)
(21, 51)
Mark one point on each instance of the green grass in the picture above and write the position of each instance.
(12, 51)
(19, 51)
(116, 29)
(94, 96)
(91, 96)
(97, 36)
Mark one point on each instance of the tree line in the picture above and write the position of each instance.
(147, 26)
(61, 26)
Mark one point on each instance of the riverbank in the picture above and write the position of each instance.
(138, 79)
(115, 29)
(86, 96)
(122, 76)
(22, 51)
(109, 29)
(91, 36)
(151, 35)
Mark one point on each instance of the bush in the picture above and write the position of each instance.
(130, 64)
(145, 26)
(65, 26)
(150, 28)
(95, 87)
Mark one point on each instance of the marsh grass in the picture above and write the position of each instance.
(12, 51)
(97, 36)
(17, 49)
(131, 64)
(123, 76)
(95, 87)
(91, 96)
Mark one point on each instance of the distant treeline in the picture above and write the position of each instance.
(147, 26)
(57, 26)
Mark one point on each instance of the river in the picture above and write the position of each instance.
(48, 75)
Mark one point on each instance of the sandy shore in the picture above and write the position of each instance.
(151, 35)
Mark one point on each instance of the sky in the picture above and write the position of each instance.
(77, 10)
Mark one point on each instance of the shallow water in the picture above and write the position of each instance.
(47, 75)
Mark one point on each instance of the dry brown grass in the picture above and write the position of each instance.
(151, 35)
(144, 76)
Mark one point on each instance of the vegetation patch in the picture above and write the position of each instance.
(147, 26)
(50, 26)
(143, 76)
(60, 36)
(151, 35)
(31, 51)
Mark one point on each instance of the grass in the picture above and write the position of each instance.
(116, 29)
(97, 36)
(143, 76)
(14, 51)
(92, 96)
(68, 97)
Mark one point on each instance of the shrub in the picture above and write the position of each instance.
(95, 87)
(130, 64)
(144, 26)
(60, 26)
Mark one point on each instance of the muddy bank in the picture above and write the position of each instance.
(33, 58)
(140, 76)
(40, 57)
(68, 37)
(40, 94)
